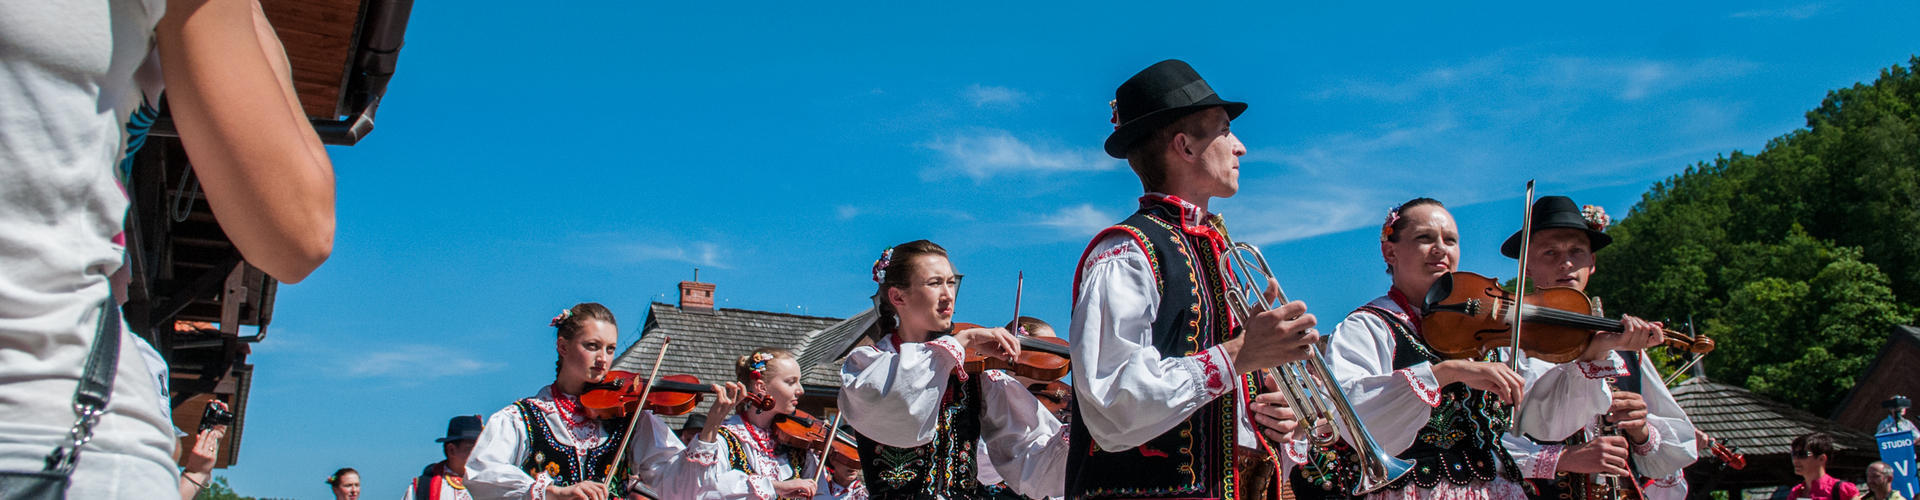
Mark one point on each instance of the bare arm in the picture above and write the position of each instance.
(264, 170)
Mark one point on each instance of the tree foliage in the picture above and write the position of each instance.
(1798, 260)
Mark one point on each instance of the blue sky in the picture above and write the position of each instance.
(530, 158)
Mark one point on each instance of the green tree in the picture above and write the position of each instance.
(217, 489)
(1797, 260)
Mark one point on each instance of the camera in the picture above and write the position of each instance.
(216, 414)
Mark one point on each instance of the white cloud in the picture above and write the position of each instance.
(1512, 76)
(1078, 220)
(986, 95)
(697, 253)
(845, 212)
(415, 362)
(983, 154)
(1796, 12)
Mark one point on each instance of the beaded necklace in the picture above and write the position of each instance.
(568, 407)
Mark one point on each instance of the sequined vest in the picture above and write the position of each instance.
(1461, 441)
(942, 468)
(1195, 457)
(568, 465)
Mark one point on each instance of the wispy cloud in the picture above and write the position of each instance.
(846, 212)
(1796, 12)
(416, 362)
(697, 253)
(1524, 76)
(986, 153)
(1079, 220)
(987, 95)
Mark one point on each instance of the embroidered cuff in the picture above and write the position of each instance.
(1546, 462)
(761, 487)
(1295, 451)
(1214, 370)
(1653, 440)
(953, 351)
(1669, 482)
(539, 490)
(702, 452)
(1611, 367)
(1422, 385)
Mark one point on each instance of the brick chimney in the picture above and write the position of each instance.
(696, 295)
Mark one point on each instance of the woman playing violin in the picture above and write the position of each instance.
(1658, 434)
(918, 416)
(737, 454)
(1450, 416)
(549, 446)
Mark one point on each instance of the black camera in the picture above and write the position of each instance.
(216, 414)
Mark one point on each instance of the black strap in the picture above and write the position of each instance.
(96, 388)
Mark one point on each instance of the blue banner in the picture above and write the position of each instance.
(1896, 449)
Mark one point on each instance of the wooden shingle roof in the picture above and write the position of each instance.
(706, 342)
(1755, 424)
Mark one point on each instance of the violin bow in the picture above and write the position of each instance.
(1019, 284)
(1520, 279)
(634, 420)
(826, 452)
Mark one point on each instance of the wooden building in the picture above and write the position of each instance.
(1763, 431)
(1896, 371)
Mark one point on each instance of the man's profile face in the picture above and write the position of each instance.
(1219, 152)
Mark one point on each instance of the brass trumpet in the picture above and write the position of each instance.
(1308, 386)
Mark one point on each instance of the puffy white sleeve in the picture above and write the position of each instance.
(1026, 444)
(493, 470)
(415, 483)
(1562, 399)
(1535, 460)
(1127, 391)
(1670, 444)
(653, 447)
(1394, 404)
(703, 472)
(893, 397)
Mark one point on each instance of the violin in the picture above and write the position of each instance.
(1733, 458)
(1040, 358)
(1054, 395)
(616, 395)
(802, 431)
(1468, 314)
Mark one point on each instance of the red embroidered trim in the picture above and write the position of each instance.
(539, 489)
(1110, 253)
(953, 350)
(1214, 381)
(1428, 395)
(1596, 370)
(1670, 481)
(1546, 462)
(1653, 439)
(1407, 311)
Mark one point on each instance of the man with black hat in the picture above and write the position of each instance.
(1155, 348)
(1896, 420)
(444, 480)
(1659, 438)
(695, 423)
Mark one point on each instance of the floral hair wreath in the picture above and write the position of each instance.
(758, 362)
(1115, 104)
(1386, 228)
(880, 266)
(562, 317)
(1597, 219)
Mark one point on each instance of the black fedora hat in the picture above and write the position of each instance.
(462, 428)
(1559, 212)
(1157, 96)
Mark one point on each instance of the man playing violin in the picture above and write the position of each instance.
(551, 446)
(738, 455)
(1161, 367)
(917, 412)
(1561, 253)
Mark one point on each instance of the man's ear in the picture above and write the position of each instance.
(1182, 146)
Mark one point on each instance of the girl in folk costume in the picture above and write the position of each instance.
(736, 455)
(1637, 403)
(918, 415)
(547, 446)
(1450, 416)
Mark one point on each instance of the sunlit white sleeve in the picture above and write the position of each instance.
(1394, 404)
(1562, 399)
(1535, 460)
(1670, 445)
(1671, 487)
(493, 470)
(1127, 391)
(1027, 445)
(703, 472)
(894, 396)
(653, 447)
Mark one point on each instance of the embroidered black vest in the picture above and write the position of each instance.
(1195, 458)
(942, 468)
(1572, 485)
(565, 464)
(1461, 441)
(737, 455)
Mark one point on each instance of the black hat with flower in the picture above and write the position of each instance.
(1559, 212)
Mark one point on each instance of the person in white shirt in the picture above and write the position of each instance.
(738, 455)
(549, 446)
(446, 479)
(916, 412)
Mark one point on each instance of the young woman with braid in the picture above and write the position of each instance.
(918, 415)
(547, 446)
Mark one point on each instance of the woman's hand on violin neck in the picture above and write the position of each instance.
(794, 488)
(1603, 455)
(1273, 338)
(995, 342)
(1628, 412)
(589, 490)
(1488, 376)
(725, 398)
